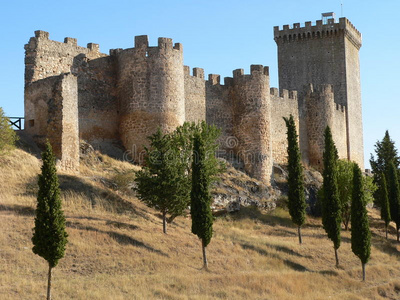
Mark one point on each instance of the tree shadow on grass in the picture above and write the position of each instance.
(388, 246)
(254, 213)
(92, 193)
(21, 210)
(287, 251)
(74, 184)
(291, 264)
(122, 239)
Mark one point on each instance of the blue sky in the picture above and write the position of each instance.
(219, 36)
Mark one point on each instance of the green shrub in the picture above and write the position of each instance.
(7, 134)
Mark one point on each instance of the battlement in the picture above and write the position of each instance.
(142, 42)
(340, 107)
(254, 71)
(296, 32)
(40, 34)
(323, 89)
(44, 36)
(214, 79)
(197, 72)
(283, 94)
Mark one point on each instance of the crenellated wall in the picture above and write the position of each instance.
(150, 90)
(73, 93)
(219, 110)
(195, 95)
(322, 111)
(45, 58)
(51, 113)
(325, 54)
(283, 104)
(252, 121)
(97, 100)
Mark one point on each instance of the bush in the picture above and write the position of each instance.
(7, 134)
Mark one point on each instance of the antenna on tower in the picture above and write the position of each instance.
(341, 8)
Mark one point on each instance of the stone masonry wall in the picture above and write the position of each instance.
(45, 58)
(52, 113)
(325, 54)
(282, 105)
(151, 91)
(195, 95)
(252, 121)
(97, 100)
(219, 112)
(321, 112)
(123, 97)
(354, 106)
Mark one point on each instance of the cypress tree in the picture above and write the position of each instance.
(331, 209)
(296, 196)
(385, 207)
(200, 210)
(360, 233)
(49, 235)
(386, 153)
(394, 196)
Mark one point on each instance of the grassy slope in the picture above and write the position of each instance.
(117, 249)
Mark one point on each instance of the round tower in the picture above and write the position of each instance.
(151, 91)
(252, 117)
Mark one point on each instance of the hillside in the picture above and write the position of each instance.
(117, 249)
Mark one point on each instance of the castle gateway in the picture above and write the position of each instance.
(74, 93)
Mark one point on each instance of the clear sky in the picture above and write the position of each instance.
(218, 35)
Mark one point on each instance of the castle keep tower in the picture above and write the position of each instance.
(326, 53)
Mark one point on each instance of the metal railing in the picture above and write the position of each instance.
(16, 122)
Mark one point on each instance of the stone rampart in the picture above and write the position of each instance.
(195, 95)
(252, 121)
(283, 104)
(151, 91)
(51, 112)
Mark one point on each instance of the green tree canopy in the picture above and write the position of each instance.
(386, 153)
(385, 207)
(360, 232)
(345, 188)
(49, 235)
(296, 196)
(394, 196)
(7, 134)
(331, 209)
(163, 182)
(203, 173)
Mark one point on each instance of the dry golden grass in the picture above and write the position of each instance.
(117, 250)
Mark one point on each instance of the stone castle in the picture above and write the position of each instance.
(74, 93)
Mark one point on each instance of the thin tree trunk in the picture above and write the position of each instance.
(205, 262)
(337, 258)
(164, 220)
(386, 232)
(299, 231)
(363, 271)
(49, 284)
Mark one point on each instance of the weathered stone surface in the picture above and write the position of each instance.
(74, 92)
(324, 54)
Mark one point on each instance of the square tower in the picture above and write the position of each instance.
(326, 53)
